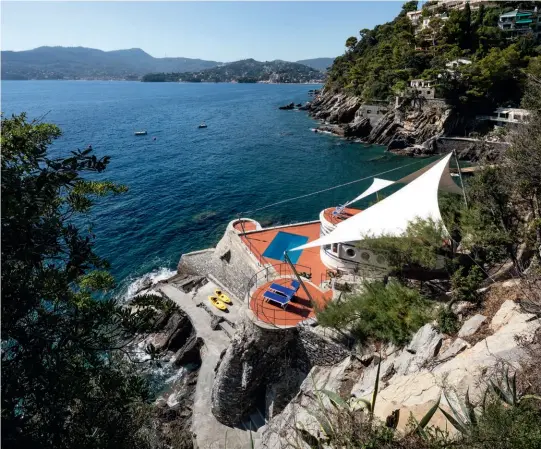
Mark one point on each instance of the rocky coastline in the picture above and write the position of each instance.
(407, 129)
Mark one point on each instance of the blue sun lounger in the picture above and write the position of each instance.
(282, 301)
(287, 292)
(295, 284)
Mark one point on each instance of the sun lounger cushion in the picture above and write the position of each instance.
(295, 284)
(283, 290)
(274, 297)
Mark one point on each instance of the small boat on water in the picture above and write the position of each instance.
(202, 125)
(140, 133)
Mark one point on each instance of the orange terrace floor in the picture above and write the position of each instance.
(299, 309)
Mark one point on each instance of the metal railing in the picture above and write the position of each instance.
(265, 311)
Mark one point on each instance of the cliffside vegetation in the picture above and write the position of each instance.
(245, 71)
(500, 227)
(380, 62)
(66, 379)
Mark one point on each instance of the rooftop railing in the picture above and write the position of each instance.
(268, 312)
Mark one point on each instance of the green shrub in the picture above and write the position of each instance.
(447, 321)
(502, 427)
(419, 246)
(464, 286)
(389, 313)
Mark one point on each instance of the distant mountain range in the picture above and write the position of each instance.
(89, 63)
(245, 71)
(318, 63)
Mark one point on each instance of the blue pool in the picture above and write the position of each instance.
(281, 243)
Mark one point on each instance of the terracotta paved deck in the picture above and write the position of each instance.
(259, 241)
(245, 226)
(335, 219)
(299, 309)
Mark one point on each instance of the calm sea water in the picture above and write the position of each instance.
(188, 183)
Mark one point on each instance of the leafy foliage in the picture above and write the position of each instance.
(421, 245)
(65, 379)
(245, 71)
(464, 286)
(383, 60)
(447, 321)
(390, 313)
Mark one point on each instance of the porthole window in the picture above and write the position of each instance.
(350, 252)
(381, 260)
(365, 256)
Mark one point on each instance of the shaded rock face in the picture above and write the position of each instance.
(175, 331)
(264, 368)
(255, 358)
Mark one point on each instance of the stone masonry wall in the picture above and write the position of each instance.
(229, 263)
(314, 350)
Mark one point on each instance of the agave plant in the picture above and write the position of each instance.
(465, 420)
(421, 425)
(506, 390)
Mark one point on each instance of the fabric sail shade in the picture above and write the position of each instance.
(417, 200)
(377, 185)
(447, 184)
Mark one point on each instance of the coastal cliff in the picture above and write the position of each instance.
(402, 127)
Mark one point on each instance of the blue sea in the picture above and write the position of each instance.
(186, 184)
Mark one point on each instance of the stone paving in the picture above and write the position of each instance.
(210, 434)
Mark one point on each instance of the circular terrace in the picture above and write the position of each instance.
(270, 302)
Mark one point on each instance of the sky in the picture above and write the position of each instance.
(219, 31)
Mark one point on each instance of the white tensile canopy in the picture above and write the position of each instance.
(447, 184)
(377, 185)
(418, 199)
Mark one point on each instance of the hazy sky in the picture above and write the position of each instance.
(221, 31)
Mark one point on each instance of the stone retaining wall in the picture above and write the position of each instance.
(229, 262)
(468, 149)
(314, 350)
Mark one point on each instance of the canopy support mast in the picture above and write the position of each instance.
(288, 260)
(461, 180)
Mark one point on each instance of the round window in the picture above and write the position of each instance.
(381, 259)
(350, 252)
(365, 256)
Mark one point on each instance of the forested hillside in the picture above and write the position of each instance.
(245, 71)
(380, 62)
(90, 63)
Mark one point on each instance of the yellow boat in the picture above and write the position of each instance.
(223, 297)
(217, 303)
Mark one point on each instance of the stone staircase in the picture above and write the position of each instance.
(227, 328)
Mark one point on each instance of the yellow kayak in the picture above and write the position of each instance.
(223, 297)
(217, 303)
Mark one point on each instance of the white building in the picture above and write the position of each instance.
(425, 88)
(507, 115)
(455, 63)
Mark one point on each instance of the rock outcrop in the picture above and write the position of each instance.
(255, 358)
(412, 379)
(403, 129)
(263, 367)
(287, 107)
